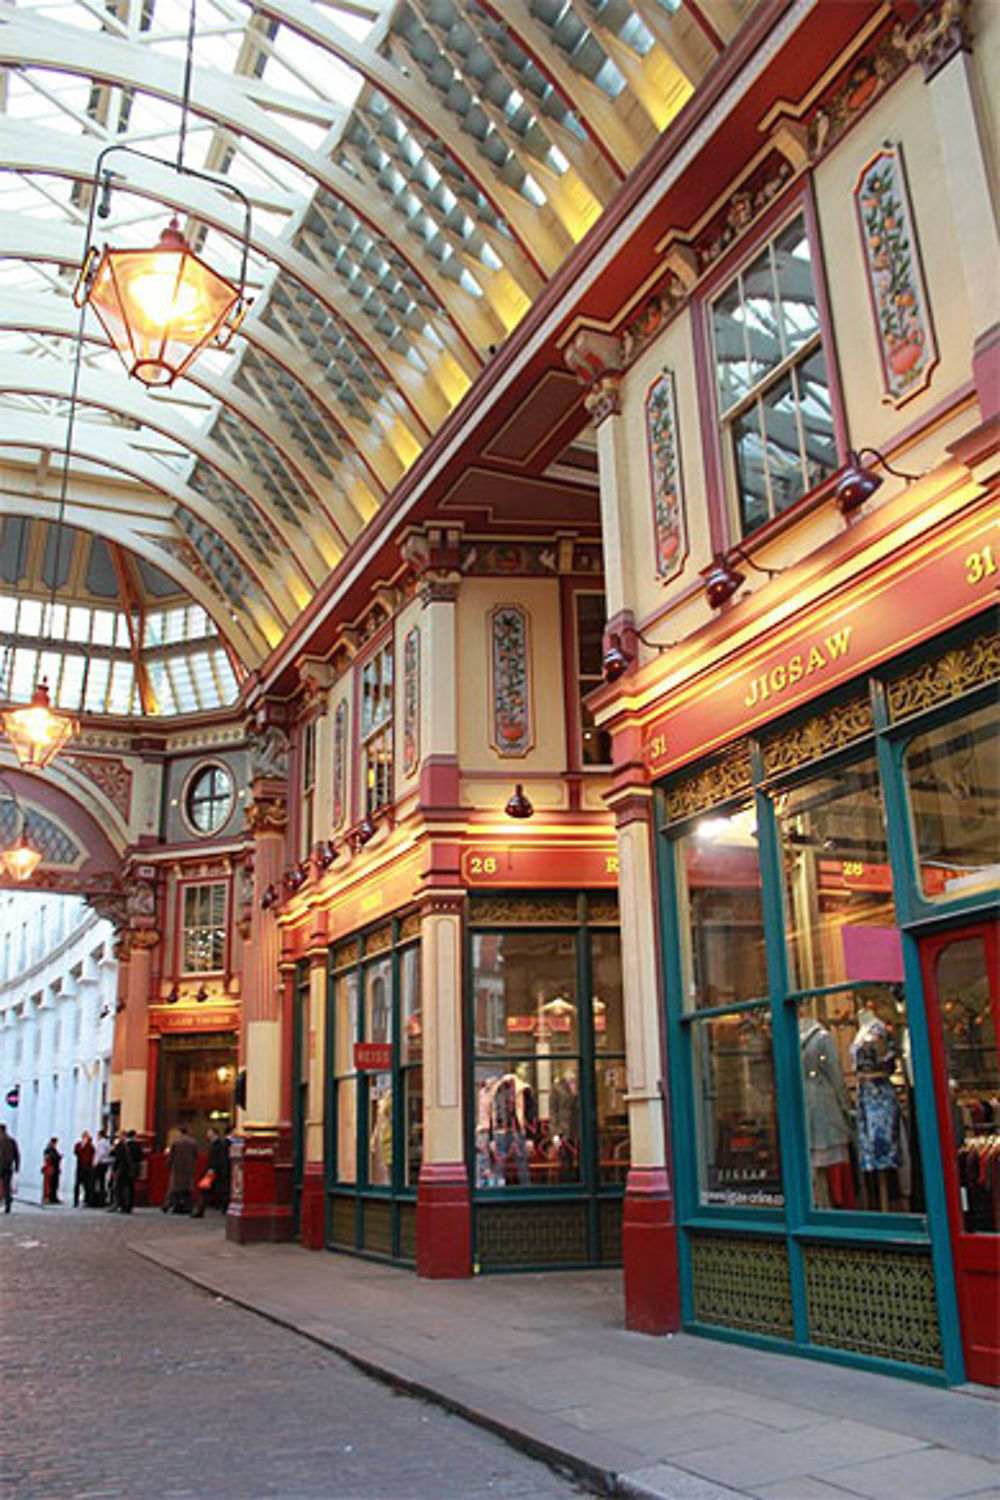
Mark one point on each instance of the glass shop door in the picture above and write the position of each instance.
(961, 983)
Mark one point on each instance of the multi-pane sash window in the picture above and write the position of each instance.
(376, 729)
(771, 379)
(595, 744)
(308, 787)
(204, 928)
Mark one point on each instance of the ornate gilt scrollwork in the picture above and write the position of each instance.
(838, 726)
(945, 677)
(712, 784)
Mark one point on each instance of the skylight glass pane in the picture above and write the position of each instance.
(98, 672)
(121, 687)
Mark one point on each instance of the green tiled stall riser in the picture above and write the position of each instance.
(551, 1234)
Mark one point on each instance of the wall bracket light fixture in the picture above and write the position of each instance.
(519, 805)
(859, 482)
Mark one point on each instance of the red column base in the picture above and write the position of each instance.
(444, 1221)
(649, 1251)
(260, 1205)
(312, 1208)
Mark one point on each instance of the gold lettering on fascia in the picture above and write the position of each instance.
(785, 674)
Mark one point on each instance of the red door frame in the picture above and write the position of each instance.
(977, 1255)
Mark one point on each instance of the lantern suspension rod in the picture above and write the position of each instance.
(74, 392)
(186, 91)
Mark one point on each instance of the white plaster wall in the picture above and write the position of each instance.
(58, 990)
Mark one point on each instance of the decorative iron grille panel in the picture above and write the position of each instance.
(610, 1221)
(742, 1282)
(549, 1235)
(342, 1222)
(407, 1231)
(376, 1228)
(879, 1302)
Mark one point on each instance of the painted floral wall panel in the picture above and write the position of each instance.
(669, 518)
(411, 702)
(510, 684)
(339, 761)
(905, 334)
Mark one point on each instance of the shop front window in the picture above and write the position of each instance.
(737, 1111)
(953, 780)
(722, 913)
(969, 1033)
(345, 1083)
(608, 1011)
(840, 916)
(549, 1078)
(857, 1088)
(378, 1085)
(411, 1056)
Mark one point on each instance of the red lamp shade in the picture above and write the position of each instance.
(161, 307)
(36, 731)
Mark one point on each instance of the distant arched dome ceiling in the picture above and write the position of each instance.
(418, 173)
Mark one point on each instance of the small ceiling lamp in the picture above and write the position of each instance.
(858, 483)
(161, 307)
(20, 859)
(519, 806)
(201, 995)
(174, 995)
(36, 730)
(366, 830)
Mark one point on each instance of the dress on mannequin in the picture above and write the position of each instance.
(878, 1107)
(827, 1111)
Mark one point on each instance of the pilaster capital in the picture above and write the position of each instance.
(603, 400)
(940, 32)
(268, 811)
(433, 552)
(441, 903)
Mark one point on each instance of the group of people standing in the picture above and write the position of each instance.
(106, 1172)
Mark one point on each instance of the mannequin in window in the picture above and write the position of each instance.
(874, 1058)
(564, 1124)
(828, 1116)
(512, 1125)
(380, 1140)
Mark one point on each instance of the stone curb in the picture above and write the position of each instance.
(609, 1480)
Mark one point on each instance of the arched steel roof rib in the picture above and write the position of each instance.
(214, 97)
(214, 210)
(263, 529)
(111, 445)
(54, 316)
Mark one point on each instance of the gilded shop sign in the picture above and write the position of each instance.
(800, 664)
(949, 577)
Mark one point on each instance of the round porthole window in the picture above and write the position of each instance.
(209, 798)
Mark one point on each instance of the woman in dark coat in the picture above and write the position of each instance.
(51, 1164)
(181, 1159)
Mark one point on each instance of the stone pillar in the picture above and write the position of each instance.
(134, 1023)
(444, 1211)
(941, 42)
(649, 1234)
(312, 1204)
(260, 1206)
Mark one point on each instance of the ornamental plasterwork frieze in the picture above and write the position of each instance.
(212, 738)
(805, 742)
(712, 785)
(939, 33)
(109, 774)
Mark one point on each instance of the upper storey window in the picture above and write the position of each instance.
(376, 729)
(771, 379)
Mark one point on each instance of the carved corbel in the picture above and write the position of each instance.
(940, 32)
(267, 813)
(604, 398)
(592, 356)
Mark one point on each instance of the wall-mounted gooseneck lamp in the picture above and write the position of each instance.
(617, 660)
(858, 482)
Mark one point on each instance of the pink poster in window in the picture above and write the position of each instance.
(874, 954)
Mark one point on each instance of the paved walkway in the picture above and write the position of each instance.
(544, 1360)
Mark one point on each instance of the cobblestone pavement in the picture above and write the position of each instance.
(120, 1382)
